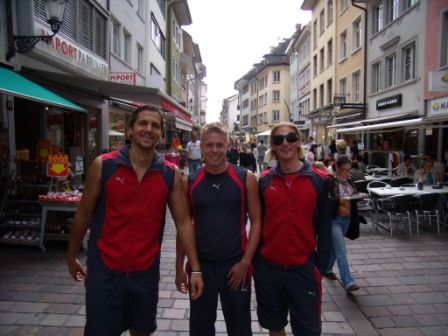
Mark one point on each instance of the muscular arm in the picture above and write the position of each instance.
(82, 218)
(181, 277)
(185, 231)
(238, 273)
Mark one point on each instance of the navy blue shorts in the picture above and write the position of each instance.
(296, 289)
(235, 304)
(115, 302)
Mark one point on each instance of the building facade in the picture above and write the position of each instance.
(107, 58)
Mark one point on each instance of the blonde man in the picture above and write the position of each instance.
(296, 238)
(221, 197)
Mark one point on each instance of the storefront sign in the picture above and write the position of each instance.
(438, 80)
(172, 108)
(79, 165)
(348, 105)
(57, 165)
(438, 107)
(43, 149)
(73, 54)
(122, 77)
(389, 102)
(92, 124)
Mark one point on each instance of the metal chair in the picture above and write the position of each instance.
(408, 185)
(394, 208)
(399, 181)
(373, 197)
(426, 209)
(361, 185)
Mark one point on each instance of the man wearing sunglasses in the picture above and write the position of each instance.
(296, 238)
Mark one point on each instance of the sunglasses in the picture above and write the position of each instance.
(290, 137)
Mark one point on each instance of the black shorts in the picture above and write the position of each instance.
(296, 289)
(235, 304)
(116, 302)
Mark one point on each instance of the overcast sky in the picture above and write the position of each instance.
(235, 34)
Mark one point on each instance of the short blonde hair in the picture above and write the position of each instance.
(320, 165)
(341, 143)
(214, 127)
(271, 154)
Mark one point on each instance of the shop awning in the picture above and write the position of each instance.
(267, 132)
(105, 89)
(13, 84)
(393, 124)
(345, 124)
(183, 125)
(115, 133)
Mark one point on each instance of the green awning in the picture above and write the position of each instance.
(18, 86)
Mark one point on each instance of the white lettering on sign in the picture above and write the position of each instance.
(388, 102)
(122, 77)
(75, 55)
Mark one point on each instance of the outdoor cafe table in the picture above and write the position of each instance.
(391, 191)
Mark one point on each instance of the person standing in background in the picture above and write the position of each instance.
(406, 168)
(428, 175)
(233, 152)
(438, 169)
(247, 158)
(194, 155)
(124, 205)
(254, 150)
(262, 148)
(341, 148)
(354, 150)
(361, 164)
(296, 238)
(344, 212)
(269, 161)
(309, 143)
(311, 155)
(221, 197)
(332, 148)
(356, 173)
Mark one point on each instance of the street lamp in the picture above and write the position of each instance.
(55, 13)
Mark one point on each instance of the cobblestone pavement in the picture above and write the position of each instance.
(404, 290)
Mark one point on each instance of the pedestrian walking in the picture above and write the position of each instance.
(221, 197)
(345, 215)
(233, 152)
(262, 148)
(124, 204)
(194, 155)
(247, 158)
(296, 238)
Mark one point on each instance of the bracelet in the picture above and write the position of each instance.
(196, 272)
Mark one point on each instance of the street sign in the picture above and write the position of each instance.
(57, 166)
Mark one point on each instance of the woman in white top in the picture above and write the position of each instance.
(311, 155)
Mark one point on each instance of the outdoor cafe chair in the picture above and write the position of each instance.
(361, 185)
(426, 210)
(399, 181)
(393, 210)
(373, 197)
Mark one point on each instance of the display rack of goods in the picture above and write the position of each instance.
(61, 196)
(57, 213)
(20, 213)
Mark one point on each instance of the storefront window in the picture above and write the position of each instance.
(93, 138)
(117, 129)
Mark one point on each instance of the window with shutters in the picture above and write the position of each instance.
(83, 22)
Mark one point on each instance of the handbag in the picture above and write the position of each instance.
(353, 229)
